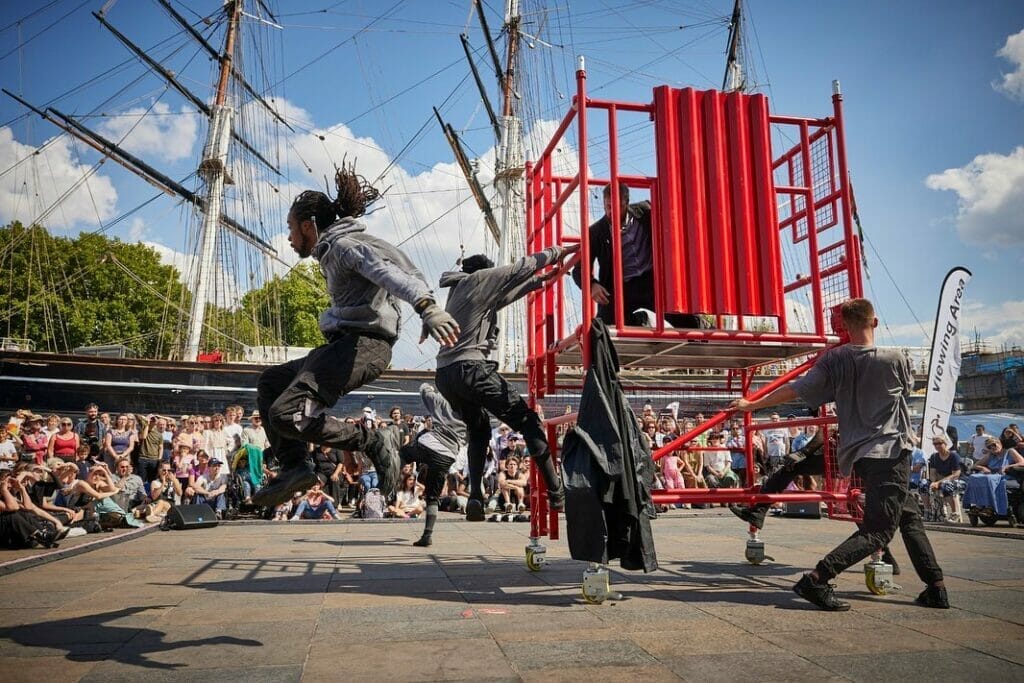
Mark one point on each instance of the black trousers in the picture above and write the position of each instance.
(346, 362)
(437, 468)
(888, 505)
(474, 388)
(640, 294)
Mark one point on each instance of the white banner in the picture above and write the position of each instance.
(944, 366)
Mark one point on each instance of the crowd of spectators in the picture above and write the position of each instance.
(60, 477)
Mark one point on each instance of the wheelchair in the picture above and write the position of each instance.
(988, 515)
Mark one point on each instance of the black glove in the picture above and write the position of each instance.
(440, 325)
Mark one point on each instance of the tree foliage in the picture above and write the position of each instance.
(64, 292)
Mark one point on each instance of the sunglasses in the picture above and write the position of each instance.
(992, 447)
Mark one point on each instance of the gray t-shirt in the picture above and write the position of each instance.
(869, 387)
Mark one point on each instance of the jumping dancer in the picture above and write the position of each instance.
(471, 383)
(365, 277)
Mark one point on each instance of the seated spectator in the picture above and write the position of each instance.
(736, 443)
(283, 512)
(111, 514)
(42, 486)
(131, 488)
(918, 468)
(986, 488)
(329, 465)
(316, 505)
(454, 495)
(8, 451)
(512, 484)
(717, 470)
(943, 477)
(183, 462)
(251, 470)
(19, 528)
(165, 487)
(211, 486)
(408, 501)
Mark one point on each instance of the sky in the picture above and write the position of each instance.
(933, 96)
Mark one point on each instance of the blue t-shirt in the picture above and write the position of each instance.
(916, 458)
(939, 468)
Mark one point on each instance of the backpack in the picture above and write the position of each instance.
(374, 505)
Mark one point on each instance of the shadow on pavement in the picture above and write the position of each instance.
(93, 638)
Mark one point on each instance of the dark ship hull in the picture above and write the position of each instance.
(62, 384)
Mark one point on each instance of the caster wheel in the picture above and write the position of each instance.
(534, 560)
(869, 581)
(973, 519)
(989, 520)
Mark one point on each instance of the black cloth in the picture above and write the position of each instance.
(437, 464)
(345, 363)
(17, 529)
(608, 470)
(474, 387)
(888, 505)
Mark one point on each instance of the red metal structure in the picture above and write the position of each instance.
(726, 212)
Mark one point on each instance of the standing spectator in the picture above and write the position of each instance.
(118, 442)
(191, 433)
(978, 442)
(255, 433)
(52, 425)
(64, 444)
(329, 465)
(34, 441)
(91, 430)
(82, 461)
(8, 450)
(776, 444)
(737, 443)
(399, 423)
(233, 427)
(215, 439)
(151, 445)
(211, 486)
(184, 461)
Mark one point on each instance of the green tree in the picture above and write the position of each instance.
(64, 292)
(297, 299)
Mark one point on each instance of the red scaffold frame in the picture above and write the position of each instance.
(716, 216)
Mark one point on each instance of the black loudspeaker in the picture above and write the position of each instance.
(191, 517)
(803, 510)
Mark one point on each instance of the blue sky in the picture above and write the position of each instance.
(935, 118)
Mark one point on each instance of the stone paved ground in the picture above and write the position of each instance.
(354, 601)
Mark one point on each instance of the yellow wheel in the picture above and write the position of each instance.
(869, 581)
(589, 599)
(533, 562)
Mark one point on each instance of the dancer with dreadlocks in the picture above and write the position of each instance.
(470, 381)
(365, 277)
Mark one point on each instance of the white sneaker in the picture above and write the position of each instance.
(76, 531)
(521, 508)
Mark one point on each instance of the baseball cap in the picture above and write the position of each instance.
(216, 461)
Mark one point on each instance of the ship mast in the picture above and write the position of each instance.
(508, 181)
(735, 79)
(213, 169)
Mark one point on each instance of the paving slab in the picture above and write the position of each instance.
(356, 601)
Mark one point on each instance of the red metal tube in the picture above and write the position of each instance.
(856, 284)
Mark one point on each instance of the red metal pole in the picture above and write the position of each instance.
(586, 256)
(852, 241)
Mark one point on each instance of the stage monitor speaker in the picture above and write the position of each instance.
(810, 510)
(191, 517)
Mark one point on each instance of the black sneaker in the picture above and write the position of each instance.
(474, 510)
(820, 594)
(383, 453)
(424, 542)
(289, 480)
(748, 515)
(556, 498)
(933, 596)
(889, 559)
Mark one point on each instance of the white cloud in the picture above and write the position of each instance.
(159, 131)
(137, 230)
(1013, 51)
(43, 177)
(991, 198)
(999, 323)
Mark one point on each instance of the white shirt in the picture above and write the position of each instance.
(718, 460)
(978, 445)
(257, 436)
(217, 482)
(234, 432)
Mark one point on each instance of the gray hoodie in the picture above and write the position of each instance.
(364, 276)
(448, 429)
(476, 298)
